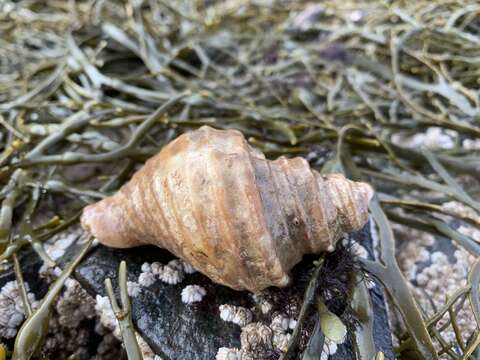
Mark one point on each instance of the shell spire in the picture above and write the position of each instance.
(219, 204)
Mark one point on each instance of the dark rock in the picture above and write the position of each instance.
(173, 329)
(178, 331)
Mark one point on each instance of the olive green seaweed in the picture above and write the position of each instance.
(363, 336)
(91, 89)
(21, 284)
(124, 313)
(308, 300)
(396, 285)
(388, 271)
(13, 189)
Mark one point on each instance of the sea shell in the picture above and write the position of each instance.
(219, 204)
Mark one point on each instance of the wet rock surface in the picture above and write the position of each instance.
(175, 330)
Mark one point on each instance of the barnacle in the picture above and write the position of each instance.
(228, 354)
(280, 324)
(280, 341)
(256, 336)
(146, 279)
(192, 294)
(133, 288)
(12, 313)
(235, 314)
(171, 275)
(187, 268)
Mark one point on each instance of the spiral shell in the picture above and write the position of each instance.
(219, 204)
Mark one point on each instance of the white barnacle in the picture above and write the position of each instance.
(280, 324)
(11, 308)
(56, 247)
(187, 268)
(470, 144)
(439, 258)
(471, 231)
(192, 294)
(171, 275)
(280, 341)
(156, 268)
(329, 348)
(256, 335)
(49, 273)
(176, 264)
(104, 310)
(235, 314)
(227, 312)
(146, 267)
(359, 250)
(228, 354)
(264, 305)
(242, 316)
(433, 138)
(133, 288)
(146, 279)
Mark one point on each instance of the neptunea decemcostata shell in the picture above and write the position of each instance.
(219, 204)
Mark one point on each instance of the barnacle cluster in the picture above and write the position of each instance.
(55, 248)
(280, 326)
(471, 144)
(235, 314)
(74, 305)
(12, 312)
(434, 275)
(256, 338)
(68, 335)
(465, 212)
(71, 326)
(172, 273)
(57, 245)
(105, 312)
(433, 137)
(275, 312)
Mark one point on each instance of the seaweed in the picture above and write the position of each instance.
(101, 86)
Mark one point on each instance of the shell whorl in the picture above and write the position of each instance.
(243, 220)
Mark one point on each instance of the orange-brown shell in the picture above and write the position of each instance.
(219, 204)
